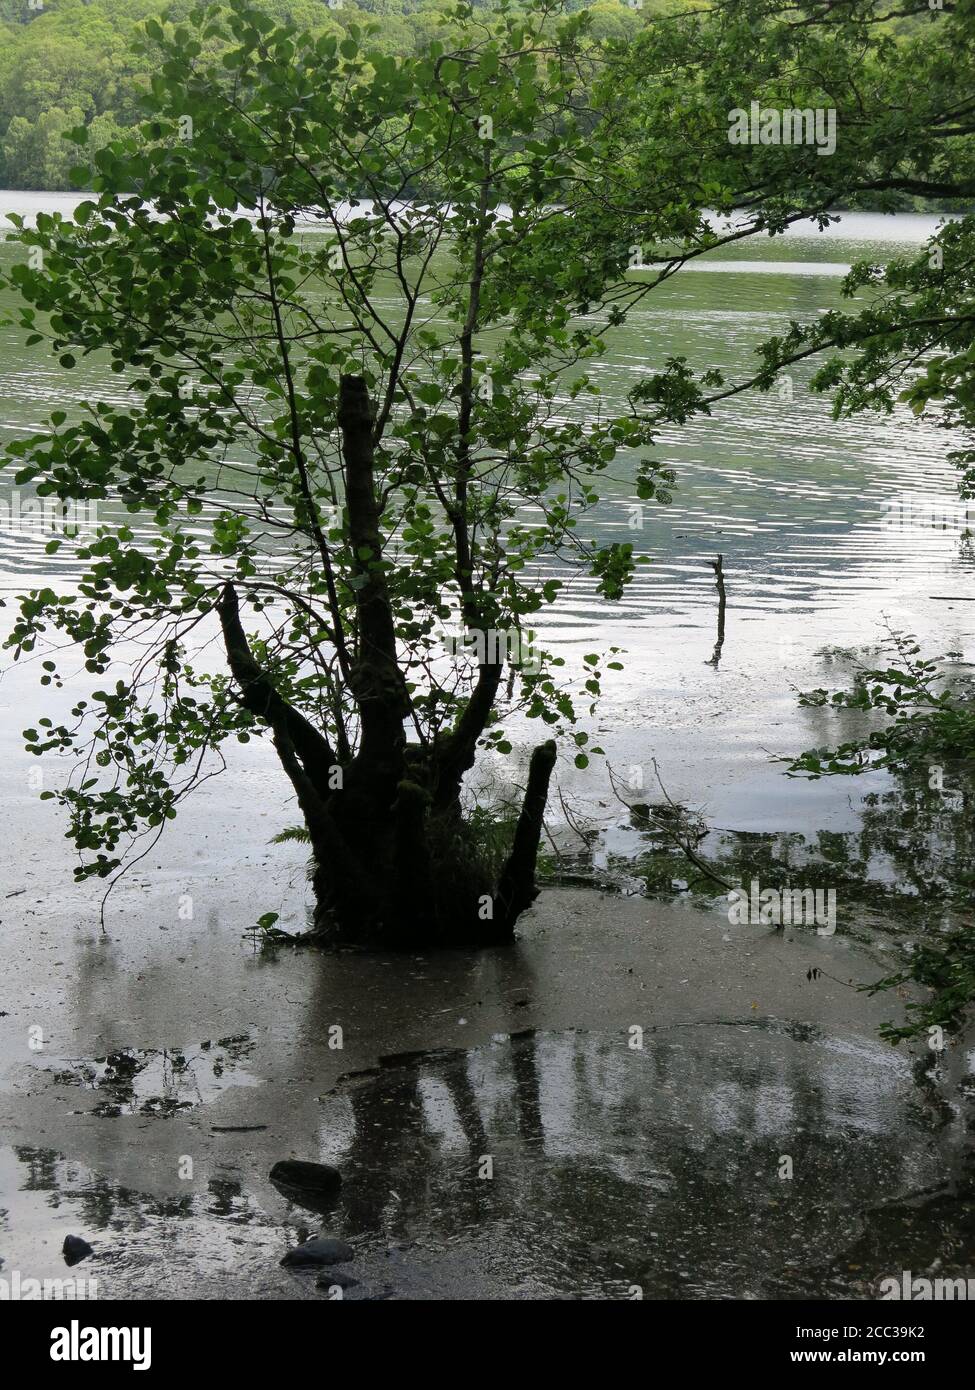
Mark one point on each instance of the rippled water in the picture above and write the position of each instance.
(659, 1169)
(828, 530)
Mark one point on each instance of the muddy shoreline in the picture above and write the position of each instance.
(615, 1167)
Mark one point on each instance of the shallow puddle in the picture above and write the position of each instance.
(716, 1161)
(209, 1244)
(154, 1081)
(744, 1159)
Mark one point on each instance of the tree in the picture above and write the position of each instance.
(380, 431)
(928, 738)
(35, 153)
(368, 458)
(894, 84)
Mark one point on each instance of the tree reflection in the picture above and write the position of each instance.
(660, 1168)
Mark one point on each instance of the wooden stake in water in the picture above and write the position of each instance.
(718, 566)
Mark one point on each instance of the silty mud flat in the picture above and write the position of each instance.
(614, 1168)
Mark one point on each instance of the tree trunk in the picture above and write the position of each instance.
(516, 887)
(396, 864)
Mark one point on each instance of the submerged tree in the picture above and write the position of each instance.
(300, 266)
(352, 299)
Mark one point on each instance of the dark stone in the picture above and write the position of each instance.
(310, 1185)
(320, 1250)
(74, 1249)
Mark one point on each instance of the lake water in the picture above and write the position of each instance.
(830, 532)
(167, 1036)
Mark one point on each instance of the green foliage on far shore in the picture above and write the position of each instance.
(70, 62)
(65, 63)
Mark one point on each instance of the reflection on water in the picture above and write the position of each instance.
(661, 1167)
(729, 1159)
(906, 864)
(612, 1167)
(151, 1081)
(214, 1243)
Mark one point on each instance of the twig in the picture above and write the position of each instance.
(670, 831)
(718, 566)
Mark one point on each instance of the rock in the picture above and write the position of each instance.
(310, 1185)
(333, 1277)
(74, 1249)
(320, 1250)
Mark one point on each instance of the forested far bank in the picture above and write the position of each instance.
(65, 63)
(70, 63)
